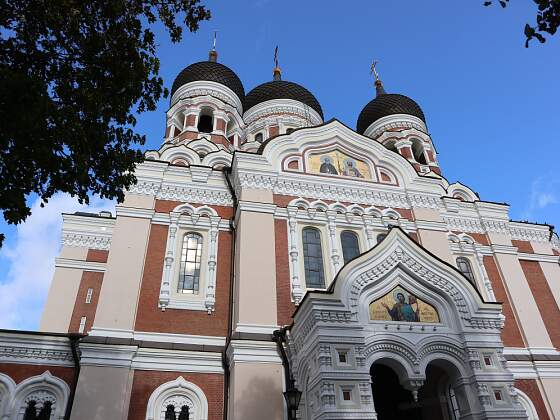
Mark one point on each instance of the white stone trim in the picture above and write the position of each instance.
(7, 387)
(35, 350)
(204, 88)
(87, 231)
(526, 402)
(42, 388)
(178, 387)
(176, 360)
(187, 217)
(275, 107)
(553, 259)
(249, 351)
(402, 121)
(80, 265)
(153, 337)
(255, 328)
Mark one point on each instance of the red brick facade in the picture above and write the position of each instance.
(145, 382)
(511, 335)
(531, 388)
(523, 246)
(548, 308)
(167, 206)
(21, 372)
(150, 317)
(284, 304)
(90, 280)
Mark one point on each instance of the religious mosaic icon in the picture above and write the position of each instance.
(338, 163)
(401, 305)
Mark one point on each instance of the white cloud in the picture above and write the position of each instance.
(545, 192)
(30, 258)
(544, 199)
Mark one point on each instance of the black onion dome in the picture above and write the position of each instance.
(282, 89)
(387, 104)
(211, 71)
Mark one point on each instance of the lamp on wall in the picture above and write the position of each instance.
(292, 396)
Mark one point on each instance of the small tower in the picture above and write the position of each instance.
(206, 102)
(398, 122)
(278, 107)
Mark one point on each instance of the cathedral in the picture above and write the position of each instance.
(270, 265)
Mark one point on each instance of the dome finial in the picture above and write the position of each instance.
(379, 89)
(213, 55)
(276, 73)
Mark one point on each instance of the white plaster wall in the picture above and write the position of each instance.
(121, 284)
(73, 252)
(499, 238)
(103, 393)
(258, 196)
(139, 201)
(256, 269)
(426, 214)
(542, 248)
(437, 243)
(256, 391)
(551, 387)
(60, 300)
(522, 301)
(552, 273)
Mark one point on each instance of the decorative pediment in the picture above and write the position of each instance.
(369, 288)
(334, 151)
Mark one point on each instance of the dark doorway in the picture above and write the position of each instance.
(392, 401)
(436, 398)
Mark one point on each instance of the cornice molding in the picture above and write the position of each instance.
(80, 265)
(275, 107)
(35, 350)
(92, 241)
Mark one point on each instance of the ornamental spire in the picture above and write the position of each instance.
(276, 73)
(213, 54)
(379, 89)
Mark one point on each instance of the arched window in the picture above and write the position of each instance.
(259, 137)
(391, 145)
(45, 413)
(42, 397)
(464, 266)
(170, 413)
(313, 258)
(418, 152)
(206, 121)
(189, 272)
(184, 414)
(350, 245)
(453, 406)
(177, 400)
(380, 237)
(30, 411)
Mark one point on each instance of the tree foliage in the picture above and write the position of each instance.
(73, 74)
(547, 21)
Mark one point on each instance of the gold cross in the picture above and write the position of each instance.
(373, 70)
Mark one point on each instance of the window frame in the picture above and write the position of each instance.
(202, 220)
(89, 295)
(470, 273)
(199, 252)
(322, 256)
(356, 236)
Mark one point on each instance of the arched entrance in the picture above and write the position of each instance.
(392, 401)
(437, 399)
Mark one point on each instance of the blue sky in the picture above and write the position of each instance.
(491, 105)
